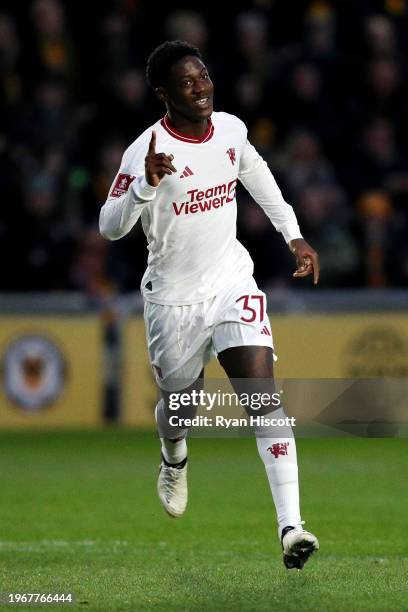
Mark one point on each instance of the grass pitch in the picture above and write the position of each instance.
(79, 512)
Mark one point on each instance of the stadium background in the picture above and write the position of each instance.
(322, 88)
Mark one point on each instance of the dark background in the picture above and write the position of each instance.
(321, 86)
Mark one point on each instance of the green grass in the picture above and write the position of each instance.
(78, 512)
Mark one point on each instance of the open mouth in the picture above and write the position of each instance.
(202, 101)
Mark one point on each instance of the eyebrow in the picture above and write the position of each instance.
(188, 74)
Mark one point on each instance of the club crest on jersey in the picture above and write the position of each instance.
(231, 155)
(121, 185)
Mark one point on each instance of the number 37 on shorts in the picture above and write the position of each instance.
(253, 308)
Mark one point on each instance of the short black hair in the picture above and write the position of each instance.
(163, 57)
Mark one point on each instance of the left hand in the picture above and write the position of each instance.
(306, 258)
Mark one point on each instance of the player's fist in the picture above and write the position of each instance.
(157, 164)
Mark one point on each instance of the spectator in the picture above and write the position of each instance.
(324, 224)
(304, 165)
(321, 86)
(51, 53)
(10, 80)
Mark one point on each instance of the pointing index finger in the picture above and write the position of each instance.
(152, 144)
(316, 268)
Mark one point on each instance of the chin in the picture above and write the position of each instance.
(204, 114)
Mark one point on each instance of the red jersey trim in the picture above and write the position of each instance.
(165, 122)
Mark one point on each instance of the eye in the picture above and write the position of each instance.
(186, 83)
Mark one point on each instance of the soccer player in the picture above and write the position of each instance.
(180, 177)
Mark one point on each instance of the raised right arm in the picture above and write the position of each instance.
(133, 189)
(123, 207)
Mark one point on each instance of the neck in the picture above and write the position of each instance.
(186, 126)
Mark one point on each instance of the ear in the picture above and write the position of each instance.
(161, 94)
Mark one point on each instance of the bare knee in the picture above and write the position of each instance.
(175, 402)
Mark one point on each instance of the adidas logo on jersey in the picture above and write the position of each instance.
(265, 331)
(186, 172)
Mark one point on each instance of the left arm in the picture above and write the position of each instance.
(258, 180)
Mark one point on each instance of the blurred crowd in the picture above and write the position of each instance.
(321, 85)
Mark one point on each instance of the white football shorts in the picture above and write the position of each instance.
(181, 340)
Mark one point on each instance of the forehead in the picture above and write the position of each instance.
(186, 66)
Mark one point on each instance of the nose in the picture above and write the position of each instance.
(199, 86)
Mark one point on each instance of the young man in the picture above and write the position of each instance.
(180, 177)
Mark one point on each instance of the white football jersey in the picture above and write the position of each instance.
(190, 218)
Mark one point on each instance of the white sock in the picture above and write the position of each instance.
(173, 439)
(277, 449)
